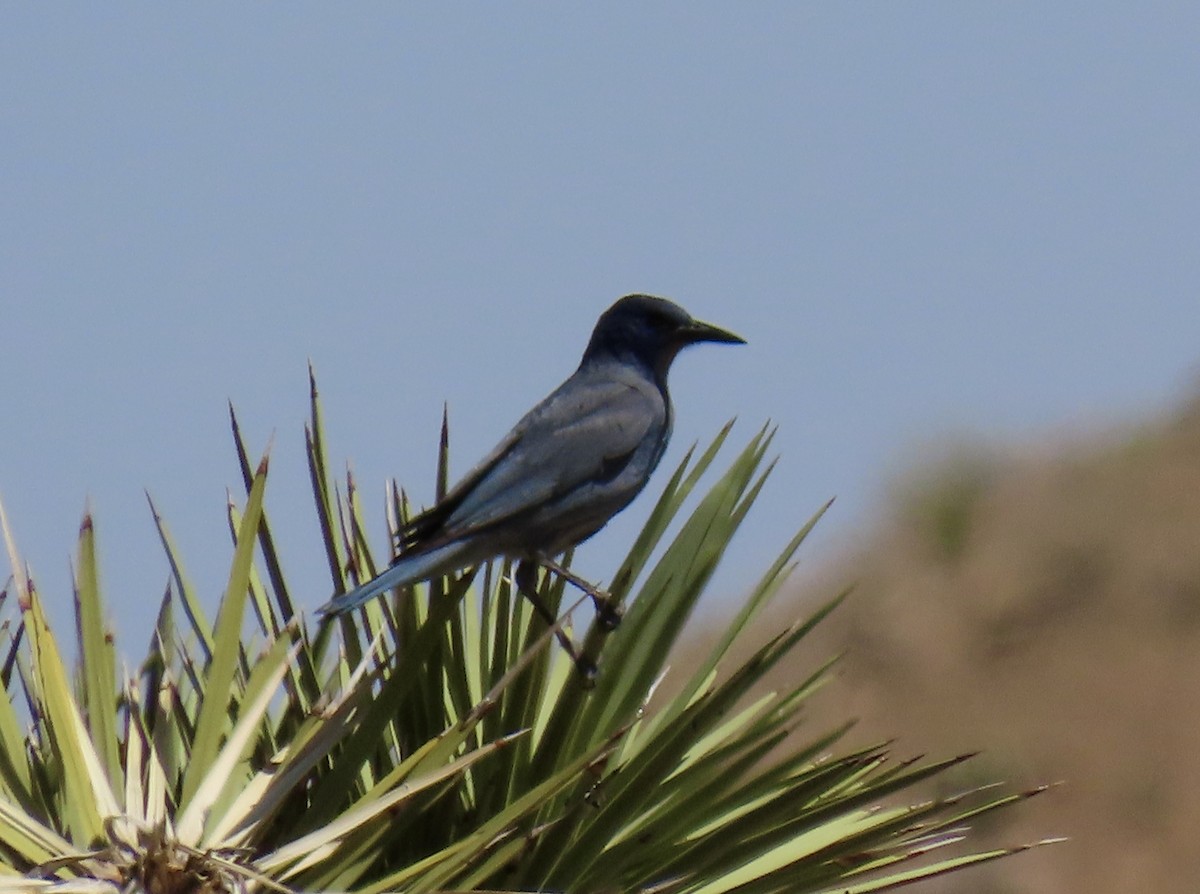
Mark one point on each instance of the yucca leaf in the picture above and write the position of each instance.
(134, 801)
(677, 489)
(228, 773)
(158, 806)
(642, 774)
(775, 827)
(669, 594)
(784, 881)
(900, 879)
(264, 610)
(266, 541)
(274, 784)
(187, 594)
(302, 852)
(213, 719)
(301, 675)
(15, 780)
(519, 809)
(767, 586)
(489, 862)
(76, 804)
(28, 837)
(98, 665)
(391, 705)
(314, 436)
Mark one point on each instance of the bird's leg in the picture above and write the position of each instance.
(525, 578)
(608, 612)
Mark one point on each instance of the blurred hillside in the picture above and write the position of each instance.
(1043, 607)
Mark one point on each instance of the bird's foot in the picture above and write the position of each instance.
(525, 578)
(608, 610)
(587, 671)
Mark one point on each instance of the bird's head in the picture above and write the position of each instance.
(650, 331)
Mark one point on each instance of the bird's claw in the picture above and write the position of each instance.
(608, 613)
(587, 671)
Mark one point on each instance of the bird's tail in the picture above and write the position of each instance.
(406, 570)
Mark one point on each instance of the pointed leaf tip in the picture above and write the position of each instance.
(1038, 789)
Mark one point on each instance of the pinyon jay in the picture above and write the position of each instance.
(573, 462)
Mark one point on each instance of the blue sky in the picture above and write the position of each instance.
(930, 220)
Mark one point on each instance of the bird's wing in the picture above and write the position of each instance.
(586, 431)
(425, 526)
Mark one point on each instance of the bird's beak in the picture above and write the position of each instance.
(699, 331)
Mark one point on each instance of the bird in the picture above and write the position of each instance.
(568, 466)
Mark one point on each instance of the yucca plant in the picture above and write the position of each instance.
(439, 741)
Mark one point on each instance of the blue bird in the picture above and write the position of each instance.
(573, 462)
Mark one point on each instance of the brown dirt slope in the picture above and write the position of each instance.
(1044, 608)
